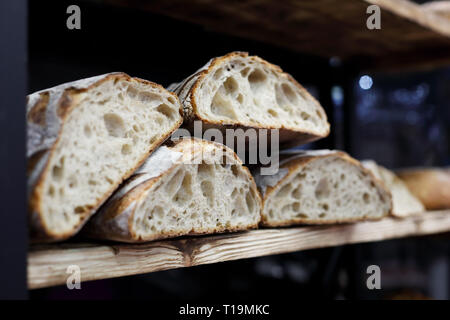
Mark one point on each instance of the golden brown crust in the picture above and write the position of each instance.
(288, 136)
(300, 162)
(431, 186)
(39, 231)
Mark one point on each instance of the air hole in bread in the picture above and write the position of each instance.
(235, 170)
(72, 182)
(322, 215)
(126, 149)
(366, 197)
(297, 193)
(289, 93)
(250, 202)
(132, 92)
(305, 116)
(256, 79)
(296, 206)
(185, 191)
(272, 112)
(147, 97)
(230, 85)
(301, 215)
(205, 170)
(114, 124)
(322, 189)
(218, 74)
(245, 71)
(208, 191)
(87, 131)
(80, 209)
(166, 111)
(223, 107)
(325, 206)
(58, 170)
(174, 183)
(284, 191)
(240, 98)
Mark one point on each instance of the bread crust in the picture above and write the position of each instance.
(187, 90)
(293, 164)
(102, 227)
(430, 185)
(39, 104)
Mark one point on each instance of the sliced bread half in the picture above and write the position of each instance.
(84, 138)
(404, 203)
(249, 92)
(322, 187)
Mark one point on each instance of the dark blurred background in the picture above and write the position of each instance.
(398, 118)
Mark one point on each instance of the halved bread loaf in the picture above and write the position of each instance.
(404, 203)
(430, 185)
(192, 187)
(84, 138)
(247, 91)
(319, 187)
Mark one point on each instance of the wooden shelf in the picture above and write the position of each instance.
(47, 264)
(411, 36)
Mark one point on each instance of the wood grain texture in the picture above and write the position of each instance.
(47, 264)
(410, 36)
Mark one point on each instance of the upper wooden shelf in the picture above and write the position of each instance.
(47, 264)
(411, 36)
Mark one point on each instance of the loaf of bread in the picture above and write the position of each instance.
(322, 187)
(247, 91)
(192, 187)
(84, 138)
(404, 203)
(430, 185)
(440, 8)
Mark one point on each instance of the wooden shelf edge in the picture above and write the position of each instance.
(47, 265)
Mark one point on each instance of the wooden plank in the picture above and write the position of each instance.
(409, 37)
(47, 264)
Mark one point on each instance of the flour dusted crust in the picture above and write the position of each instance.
(430, 185)
(176, 193)
(317, 188)
(239, 90)
(55, 119)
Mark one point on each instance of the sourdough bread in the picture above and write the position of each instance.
(322, 187)
(84, 138)
(192, 187)
(248, 92)
(404, 203)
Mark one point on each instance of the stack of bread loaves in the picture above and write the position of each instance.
(94, 150)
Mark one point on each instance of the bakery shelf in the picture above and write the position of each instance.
(411, 36)
(47, 264)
